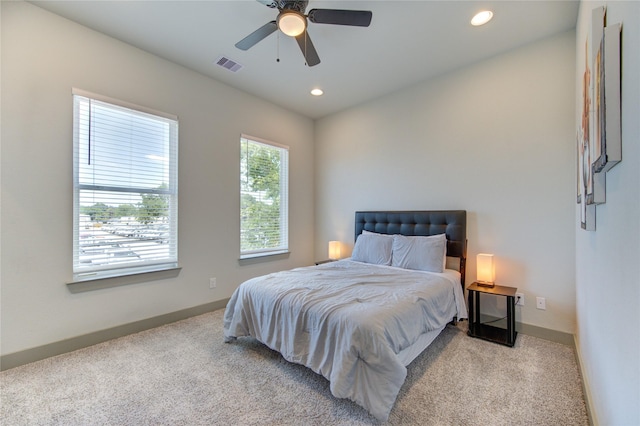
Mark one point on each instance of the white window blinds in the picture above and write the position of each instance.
(125, 188)
(264, 195)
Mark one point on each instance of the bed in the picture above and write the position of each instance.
(360, 321)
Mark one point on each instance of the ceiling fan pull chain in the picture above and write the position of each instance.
(278, 47)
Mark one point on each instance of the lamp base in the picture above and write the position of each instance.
(485, 284)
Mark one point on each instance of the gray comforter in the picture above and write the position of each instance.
(347, 321)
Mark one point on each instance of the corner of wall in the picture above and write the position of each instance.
(586, 388)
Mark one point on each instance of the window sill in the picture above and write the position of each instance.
(97, 282)
(263, 257)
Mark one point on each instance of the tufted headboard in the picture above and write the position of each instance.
(453, 223)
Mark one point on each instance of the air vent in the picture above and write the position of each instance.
(227, 63)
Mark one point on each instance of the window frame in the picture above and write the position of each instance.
(124, 267)
(283, 247)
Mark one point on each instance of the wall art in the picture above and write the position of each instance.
(598, 139)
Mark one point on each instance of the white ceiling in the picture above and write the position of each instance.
(407, 42)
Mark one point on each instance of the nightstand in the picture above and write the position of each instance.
(487, 332)
(320, 262)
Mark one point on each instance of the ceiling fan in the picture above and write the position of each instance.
(292, 21)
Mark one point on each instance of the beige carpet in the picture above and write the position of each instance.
(183, 374)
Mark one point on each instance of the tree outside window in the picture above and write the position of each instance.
(264, 197)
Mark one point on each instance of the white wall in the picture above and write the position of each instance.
(608, 260)
(496, 139)
(43, 57)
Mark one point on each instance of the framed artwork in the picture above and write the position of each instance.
(597, 82)
(609, 144)
(598, 139)
(596, 188)
(578, 167)
(587, 215)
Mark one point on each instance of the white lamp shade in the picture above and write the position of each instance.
(486, 268)
(334, 250)
(291, 23)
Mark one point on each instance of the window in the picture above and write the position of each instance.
(125, 180)
(264, 195)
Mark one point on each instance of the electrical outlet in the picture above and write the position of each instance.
(541, 303)
(520, 299)
(212, 283)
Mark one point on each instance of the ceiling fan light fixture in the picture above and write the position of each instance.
(317, 92)
(291, 23)
(481, 18)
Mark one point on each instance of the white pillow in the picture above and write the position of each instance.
(421, 253)
(373, 248)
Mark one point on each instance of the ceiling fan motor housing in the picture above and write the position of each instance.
(297, 5)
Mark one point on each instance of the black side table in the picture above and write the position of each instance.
(487, 332)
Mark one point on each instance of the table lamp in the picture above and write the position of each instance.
(334, 250)
(486, 272)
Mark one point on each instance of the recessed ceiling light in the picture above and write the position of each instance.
(482, 18)
(316, 92)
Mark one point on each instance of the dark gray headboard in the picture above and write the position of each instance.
(453, 223)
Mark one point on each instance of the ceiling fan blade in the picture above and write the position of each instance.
(308, 51)
(256, 36)
(356, 18)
